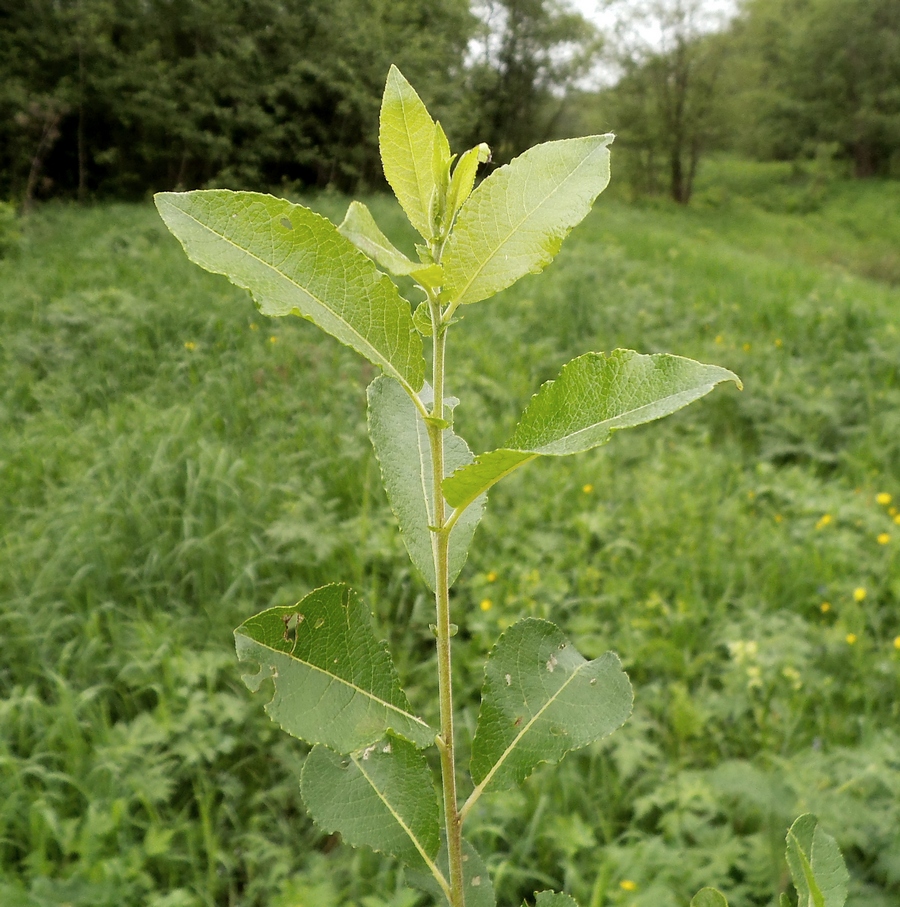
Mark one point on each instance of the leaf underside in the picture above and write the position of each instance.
(335, 683)
(817, 867)
(295, 262)
(400, 438)
(593, 396)
(514, 223)
(381, 797)
(540, 700)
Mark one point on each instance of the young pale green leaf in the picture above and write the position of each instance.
(816, 865)
(380, 797)
(440, 170)
(334, 682)
(406, 138)
(463, 180)
(709, 897)
(477, 886)
(400, 439)
(295, 262)
(553, 899)
(594, 396)
(540, 700)
(514, 223)
(360, 228)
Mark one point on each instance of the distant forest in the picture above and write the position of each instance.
(118, 98)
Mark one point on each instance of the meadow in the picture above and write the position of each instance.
(171, 462)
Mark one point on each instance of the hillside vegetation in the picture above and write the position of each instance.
(171, 462)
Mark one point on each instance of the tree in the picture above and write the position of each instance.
(665, 105)
(827, 72)
(531, 53)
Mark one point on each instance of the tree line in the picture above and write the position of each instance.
(117, 98)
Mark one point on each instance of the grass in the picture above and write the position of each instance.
(171, 462)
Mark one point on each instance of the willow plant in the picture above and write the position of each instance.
(335, 685)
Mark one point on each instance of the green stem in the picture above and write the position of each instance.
(441, 551)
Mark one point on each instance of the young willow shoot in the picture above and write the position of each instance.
(367, 776)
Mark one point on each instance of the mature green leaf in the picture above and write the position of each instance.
(380, 797)
(514, 223)
(593, 396)
(463, 180)
(553, 899)
(540, 700)
(709, 897)
(360, 228)
(295, 262)
(334, 682)
(406, 139)
(400, 438)
(816, 865)
(479, 891)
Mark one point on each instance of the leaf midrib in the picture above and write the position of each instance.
(518, 226)
(438, 875)
(342, 680)
(387, 364)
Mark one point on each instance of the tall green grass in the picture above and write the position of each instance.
(171, 462)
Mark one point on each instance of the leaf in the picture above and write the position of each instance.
(360, 228)
(334, 682)
(380, 797)
(816, 865)
(295, 262)
(440, 171)
(400, 439)
(593, 396)
(514, 223)
(540, 700)
(552, 899)
(709, 897)
(463, 180)
(406, 138)
(479, 891)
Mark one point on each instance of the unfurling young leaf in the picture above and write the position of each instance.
(553, 899)
(400, 439)
(514, 223)
(709, 897)
(463, 180)
(540, 700)
(816, 865)
(295, 262)
(406, 138)
(379, 797)
(593, 396)
(335, 684)
(360, 228)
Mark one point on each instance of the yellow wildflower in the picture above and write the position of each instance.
(779, 343)
(486, 604)
(824, 520)
(851, 639)
(859, 594)
(254, 326)
(897, 519)
(491, 577)
(897, 643)
(884, 538)
(273, 339)
(825, 607)
(778, 517)
(720, 338)
(746, 347)
(587, 489)
(190, 345)
(628, 885)
(883, 498)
